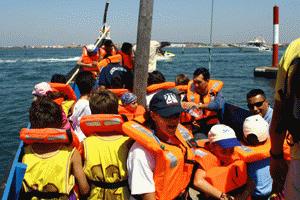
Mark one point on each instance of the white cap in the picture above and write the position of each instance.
(90, 47)
(41, 89)
(223, 135)
(256, 125)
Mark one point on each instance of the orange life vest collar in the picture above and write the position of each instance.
(64, 88)
(101, 123)
(159, 86)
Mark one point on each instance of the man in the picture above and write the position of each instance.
(205, 95)
(90, 56)
(285, 120)
(258, 104)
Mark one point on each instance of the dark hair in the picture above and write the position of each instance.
(103, 102)
(255, 92)
(181, 79)
(85, 82)
(107, 42)
(117, 82)
(155, 77)
(149, 123)
(58, 78)
(44, 113)
(126, 47)
(252, 140)
(203, 71)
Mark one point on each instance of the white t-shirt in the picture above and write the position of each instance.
(81, 108)
(140, 166)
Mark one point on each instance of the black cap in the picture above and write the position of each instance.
(166, 103)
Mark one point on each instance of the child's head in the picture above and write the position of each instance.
(58, 78)
(45, 113)
(222, 140)
(41, 89)
(256, 130)
(129, 100)
(85, 82)
(181, 79)
(103, 102)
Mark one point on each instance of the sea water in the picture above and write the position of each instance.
(22, 68)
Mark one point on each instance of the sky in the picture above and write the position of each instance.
(50, 22)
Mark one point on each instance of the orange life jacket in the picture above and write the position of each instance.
(50, 135)
(103, 63)
(182, 88)
(155, 87)
(119, 92)
(140, 111)
(251, 154)
(173, 170)
(101, 123)
(89, 59)
(127, 60)
(214, 86)
(103, 52)
(64, 88)
(224, 178)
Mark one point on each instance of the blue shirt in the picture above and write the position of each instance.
(110, 72)
(268, 115)
(259, 172)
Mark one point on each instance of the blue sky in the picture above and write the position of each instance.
(37, 22)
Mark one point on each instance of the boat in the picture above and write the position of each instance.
(256, 45)
(163, 55)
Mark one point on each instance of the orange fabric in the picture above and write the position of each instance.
(127, 60)
(224, 178)
(214, 86)
(154, 87)
(64, 88)
(119, 92)
(140, 111)
(87, 59)
(49, 135)
(286, 150)
(101, 123)
(103, 52)
(111, 59)
(182, 88)
(171, 174)
(254, 153)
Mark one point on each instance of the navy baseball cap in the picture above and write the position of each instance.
(166, 103)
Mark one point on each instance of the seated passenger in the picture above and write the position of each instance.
(127, 56)
(58, 78)
(181, 82)
(130, 106)
(256, 134)
(85, 82)
(90, 56)
(221, 142)
(52, 168)
(105, 150)
(107, 49)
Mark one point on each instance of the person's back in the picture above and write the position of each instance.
(127, 55)
(113, 75)
(85, 83)
(105, 151)
(256, 134)
(51, 168)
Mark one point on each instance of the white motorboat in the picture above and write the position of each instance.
(256, 45)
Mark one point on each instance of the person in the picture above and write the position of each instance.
(181, 79)
(85, 82)
(51, 168)
(205, 95)
(256, 137)
(105, 150)
(130, 106)
(90, 56)
(58, 78)
(127, 56)
(258, 104)
(221, 143)
(154, 77)
(285, 122)
(107, 49)
(115, 76)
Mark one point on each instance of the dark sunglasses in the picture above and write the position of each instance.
(257, 104)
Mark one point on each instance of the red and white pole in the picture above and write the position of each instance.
(275, 35)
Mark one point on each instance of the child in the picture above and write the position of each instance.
(130, 106)
(85, 82)
(105, 151)
(256, 134)
(51, 168)
(221, 142)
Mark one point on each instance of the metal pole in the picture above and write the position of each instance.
(143, 50)
(210, 38)
(275, 36)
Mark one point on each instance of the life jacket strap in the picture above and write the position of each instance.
(106, 185)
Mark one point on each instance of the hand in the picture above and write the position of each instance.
(278, 171)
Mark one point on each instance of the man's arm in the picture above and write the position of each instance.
(215, 105)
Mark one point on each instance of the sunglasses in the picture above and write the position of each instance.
(257, 104)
